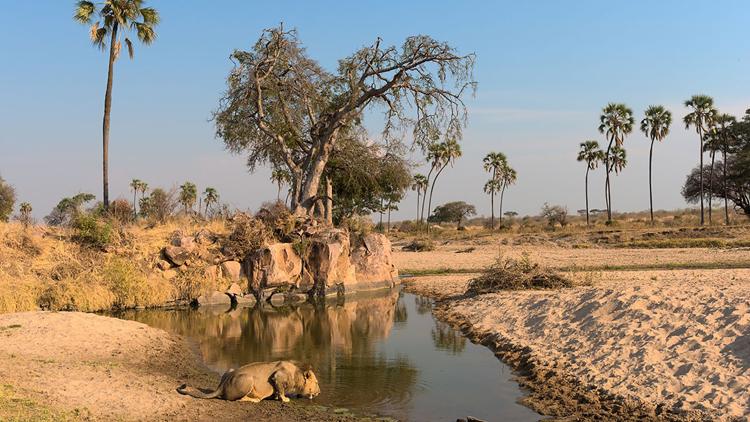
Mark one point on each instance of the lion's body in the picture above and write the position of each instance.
(257, 381)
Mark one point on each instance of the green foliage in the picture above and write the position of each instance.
(452, 212)
(68, 209)
(91, 231)
(7, 200)
(127, 284)
(188, 195)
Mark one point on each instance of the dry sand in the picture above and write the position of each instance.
(98, 368)
(674, 342)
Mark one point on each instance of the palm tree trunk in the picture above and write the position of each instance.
(388, 227)
(329, 201)
(607, 191)
(421, 215)
(278, 193)
(588, 167)
(432, 189)
(418, 196)
(135, 210)
(502, 194)
(700, 135)
(650, 189)
(492, 208)
(105, 122)
(726, 205)
(711, 188)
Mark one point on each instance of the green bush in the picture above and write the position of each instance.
(90, 231)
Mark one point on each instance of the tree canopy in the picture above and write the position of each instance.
(452, 212)
(282, 108)
(7, 200)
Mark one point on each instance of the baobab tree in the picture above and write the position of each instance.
(114, 19)
(419, 184)
(282, 108)
(655, 125)
(592, 155)
(493, 163)
(615, 122)
(701, 118)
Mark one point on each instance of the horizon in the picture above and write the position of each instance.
(537, 99)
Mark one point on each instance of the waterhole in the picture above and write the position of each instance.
(379, 353)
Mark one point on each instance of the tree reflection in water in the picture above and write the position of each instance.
(446, 338)
(424, 305)
(340, 340)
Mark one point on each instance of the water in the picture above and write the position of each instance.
(379, 353)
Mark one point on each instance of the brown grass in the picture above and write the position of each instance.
(516, 274)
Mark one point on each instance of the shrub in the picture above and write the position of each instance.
(555, 214)
(7, 200)
(246, 234)
(276, 216)
(159, 205)
(419, 245)
(516, 274)
(358, 225)
(126, 283)
(89, 231)
(121, 211)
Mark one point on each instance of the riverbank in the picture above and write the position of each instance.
(645, 345)
(77, 366)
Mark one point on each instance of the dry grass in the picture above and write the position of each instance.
(43, 268)
(516, 274)
(18, 408)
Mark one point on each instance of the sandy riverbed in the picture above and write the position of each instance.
(672, 342)
(90, 367)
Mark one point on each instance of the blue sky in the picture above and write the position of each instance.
(545, 69)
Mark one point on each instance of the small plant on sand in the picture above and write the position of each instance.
(516, 274)
(420, 245)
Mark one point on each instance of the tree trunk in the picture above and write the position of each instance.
(105, 122)
(432, 189)
(711, 189)
(650, 189)
(424, 197)
(418, 196)
(329, 201)
(313, 174)
(492, 209)
(700, 136)
(726, 205)
(388, 227)
(502, 194)
(278, 193)
(588, 167)
(607, 191)
(135, 209)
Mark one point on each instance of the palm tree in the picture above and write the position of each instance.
(419, 184)
(25, 209)
(135, 184)
(592, 155)
(493, 163)
(115, 19)
(143, 188)
(615, 122)
(617, 159)
(700, 117)
(507, 177)
(188, 195)
(655, 125)
(211, 197)
(491, 188)
(280, 177)
(434, 158)
(724, 123)
(448, 152)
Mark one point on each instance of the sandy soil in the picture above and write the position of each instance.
(676, 343)
(99, 368)
(445, 257)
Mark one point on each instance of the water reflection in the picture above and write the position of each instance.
(382, 352)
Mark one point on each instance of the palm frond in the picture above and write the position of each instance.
(130, 47)
(99, 38)
(84, 11)
(145, 32)
(150, 16)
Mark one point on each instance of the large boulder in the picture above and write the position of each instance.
(373, 265)
(274, 266)
(328, 261)
(231, 270)
(177, 255)
(213, 298)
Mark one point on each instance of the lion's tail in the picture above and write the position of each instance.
(194, 392)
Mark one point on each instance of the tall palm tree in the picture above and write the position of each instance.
(419, 184)
(507, 177)
(25, 209)
(701, 115)
(143, 188)
(135, 184)
(724, 123)
(592, 155)
(211, 196)
(115, 19)
(493, 163)
(491, 187)
(448, 152)
(615, 122)
(434, 156)
(188, 195)
(655, 125)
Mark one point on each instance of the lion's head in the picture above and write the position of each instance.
(310, 387)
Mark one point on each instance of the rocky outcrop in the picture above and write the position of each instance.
(328, 262)
(177, 255)
(275, 266)
(231, 270)
(373, 266)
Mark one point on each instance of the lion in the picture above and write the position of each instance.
(257, 381)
